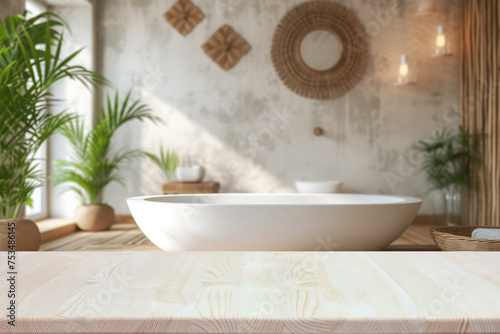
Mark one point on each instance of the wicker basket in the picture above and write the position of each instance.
(458, 238)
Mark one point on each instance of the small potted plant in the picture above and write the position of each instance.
(166, 160)
(30, 62)
(94, 165)
(448, 161)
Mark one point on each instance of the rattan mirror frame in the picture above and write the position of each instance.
(340, 78)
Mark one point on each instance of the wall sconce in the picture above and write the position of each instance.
(404, 74)
(443, 46)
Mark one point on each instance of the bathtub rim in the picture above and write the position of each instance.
(144, 199)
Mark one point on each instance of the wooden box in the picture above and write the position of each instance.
(191, 188)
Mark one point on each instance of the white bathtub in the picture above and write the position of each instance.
(273, 222)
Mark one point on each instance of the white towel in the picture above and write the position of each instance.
(486, 233)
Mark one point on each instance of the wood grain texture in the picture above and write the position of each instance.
(479, 100)
(25, 231)
(11, 7)
(120, 237)
(51, 229)
(191, 188)
(126, 236)
(256, 292)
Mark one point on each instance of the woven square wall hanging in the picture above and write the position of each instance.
(226, 47)
(184, 16)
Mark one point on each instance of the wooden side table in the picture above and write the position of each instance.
(190, 188)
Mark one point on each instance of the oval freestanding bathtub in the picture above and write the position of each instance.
(273, 222)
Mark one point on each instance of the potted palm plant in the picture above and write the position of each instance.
(30, 63)
(448, 161)
(166, 160)
(94, 165)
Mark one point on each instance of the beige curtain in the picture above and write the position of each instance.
(479, 94)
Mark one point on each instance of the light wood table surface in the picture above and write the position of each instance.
(255, 292)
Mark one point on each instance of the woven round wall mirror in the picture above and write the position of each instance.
(320, 49)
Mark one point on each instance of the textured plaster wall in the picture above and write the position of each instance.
(254, 134)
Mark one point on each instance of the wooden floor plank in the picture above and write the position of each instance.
(127, 236)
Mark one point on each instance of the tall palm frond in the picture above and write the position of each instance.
(31, 61)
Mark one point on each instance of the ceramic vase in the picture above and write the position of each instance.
(94, 217)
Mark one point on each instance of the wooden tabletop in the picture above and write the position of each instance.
(255, 292)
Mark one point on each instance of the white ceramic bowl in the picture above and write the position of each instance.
(318, 187)
(273, 222)
(190, 174)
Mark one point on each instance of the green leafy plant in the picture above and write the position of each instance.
(449, 158)
(166, 160)
(94, 164)
(31, 61)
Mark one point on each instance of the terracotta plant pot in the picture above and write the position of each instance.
(27, 235)
(94, 217)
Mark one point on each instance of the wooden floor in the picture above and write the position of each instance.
(128, 237)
